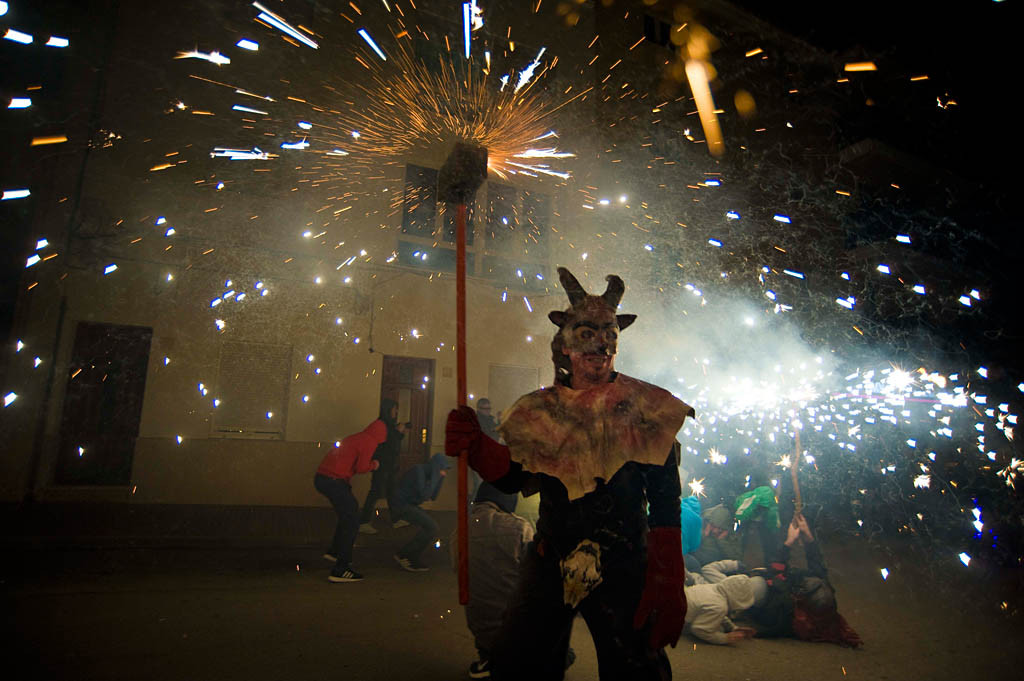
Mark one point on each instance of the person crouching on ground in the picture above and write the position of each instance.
(420, 483)
(353, 455)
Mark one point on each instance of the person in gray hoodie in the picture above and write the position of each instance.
(498, 540)
(718, 541)
(420, 483)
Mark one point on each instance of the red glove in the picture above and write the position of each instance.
(462, 434)
(663, 598)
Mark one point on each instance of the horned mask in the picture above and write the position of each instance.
(590, 324)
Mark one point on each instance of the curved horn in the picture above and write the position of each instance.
(571, 286)
(613, 294)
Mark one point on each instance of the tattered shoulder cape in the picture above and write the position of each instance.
(580, 436)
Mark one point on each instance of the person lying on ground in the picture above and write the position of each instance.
(710, 606)
(798, 603)
(713, 573)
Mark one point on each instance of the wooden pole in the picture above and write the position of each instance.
(460, 354)
(798, 503)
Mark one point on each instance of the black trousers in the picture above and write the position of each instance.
(382, 485)
(534, 636)
(426, 532)
(339, 493)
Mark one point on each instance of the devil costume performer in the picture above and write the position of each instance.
(608, 543)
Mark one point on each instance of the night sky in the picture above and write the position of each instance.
(968, 48)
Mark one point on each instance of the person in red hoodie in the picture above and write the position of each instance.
(352, 456)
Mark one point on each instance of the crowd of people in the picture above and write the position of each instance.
(614, 541)
(774, 600)
(727, 601)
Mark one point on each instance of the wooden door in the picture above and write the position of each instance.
(409, 381)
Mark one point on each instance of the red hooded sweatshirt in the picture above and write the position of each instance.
(355, 453)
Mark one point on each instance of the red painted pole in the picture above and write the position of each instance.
(460, 355)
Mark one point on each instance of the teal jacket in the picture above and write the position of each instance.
(691, 524)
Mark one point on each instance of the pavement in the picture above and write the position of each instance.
(258, 606)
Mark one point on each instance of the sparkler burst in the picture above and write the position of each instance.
(697, 487)
(413, 106)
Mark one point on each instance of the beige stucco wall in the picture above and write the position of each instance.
(208, 469)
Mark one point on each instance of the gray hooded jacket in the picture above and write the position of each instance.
(497, 545)
(709, 605)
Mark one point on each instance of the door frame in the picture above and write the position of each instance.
(429, 416)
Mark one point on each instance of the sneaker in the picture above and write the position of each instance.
(400, 523)
(331, 557)
(481, 669)
(349, 575)
(367, 528)
(410, 565)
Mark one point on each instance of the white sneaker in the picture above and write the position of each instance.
(367, 528)
(400, 523)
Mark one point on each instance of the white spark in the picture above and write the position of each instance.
(369, 41)
(18, 37)
(527, 74)
(212, 57)
(280, 24)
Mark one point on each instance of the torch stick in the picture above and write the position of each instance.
(798, 503)
(460, 176)
(460, 354)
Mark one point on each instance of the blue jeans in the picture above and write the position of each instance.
(339, 493)
(426, 534)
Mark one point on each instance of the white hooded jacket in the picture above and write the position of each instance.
(709, 606)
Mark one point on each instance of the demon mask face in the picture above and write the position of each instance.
(590, 325)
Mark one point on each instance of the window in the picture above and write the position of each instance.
(449, 224)
(657, 31)
(513, 250)
(537, 214)
(515, 273)
(518, 225)
(518, 222)
(502, 215)
(252, 389)
(439, 259)
(103, 404)
(419, 203)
